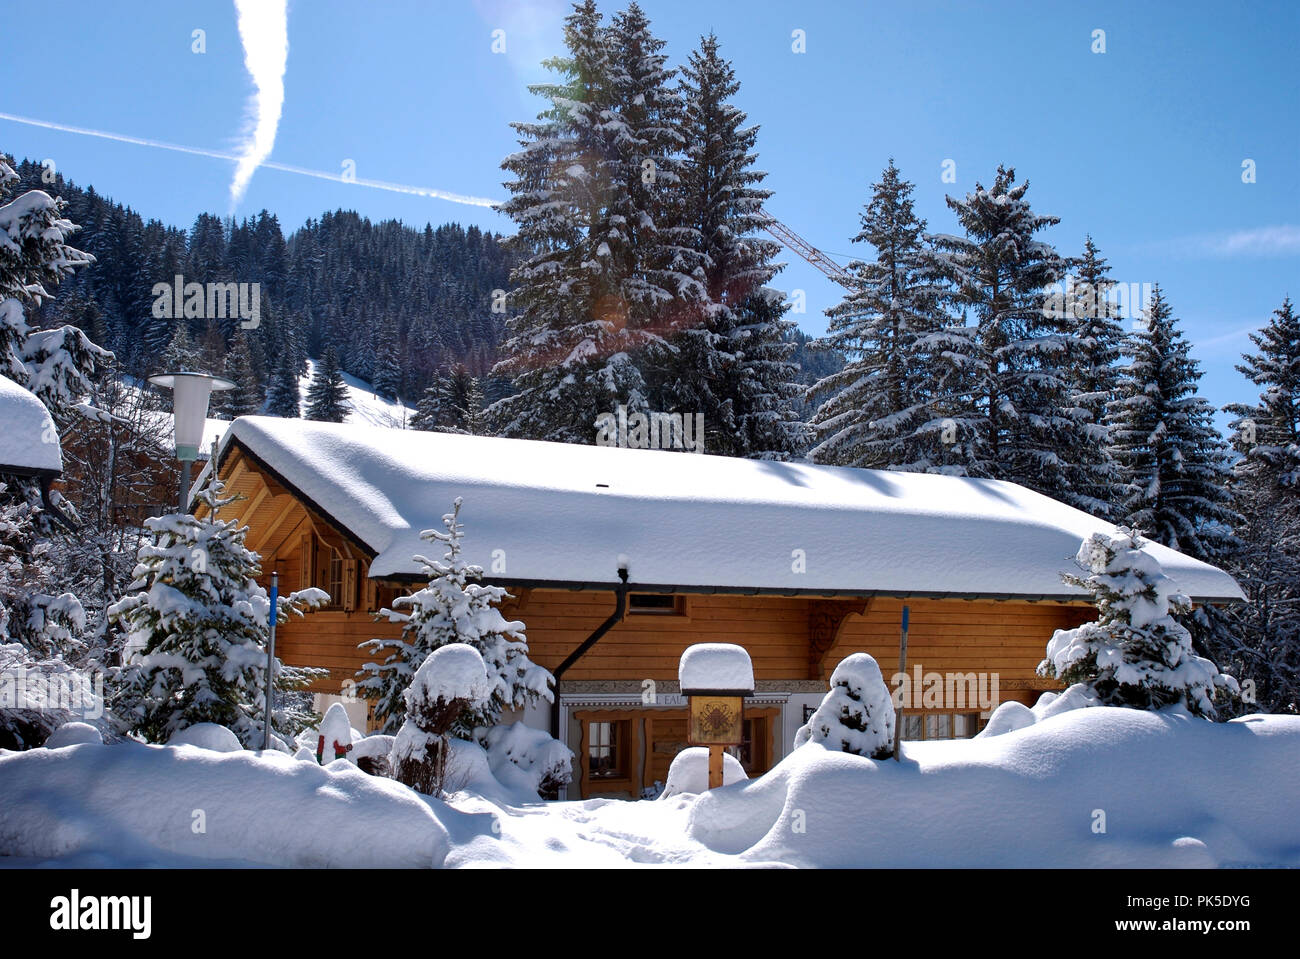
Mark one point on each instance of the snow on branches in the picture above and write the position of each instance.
(1135, 653)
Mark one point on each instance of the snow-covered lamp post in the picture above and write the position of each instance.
(190, 393)
(717, 677)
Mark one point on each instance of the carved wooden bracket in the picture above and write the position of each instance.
(825, 617)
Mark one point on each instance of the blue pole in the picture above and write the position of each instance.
(270, 662)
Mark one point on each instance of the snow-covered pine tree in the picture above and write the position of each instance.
(181, 353)
(1012, 424)
(877, 411)
(282, 397)
(732, 362)
(429, 411)
(1263, 638)
(857, 715)
(1093, 368)
(1172, 461)
(197, 624)
(58, 365)
(246, 398)
(1136, 653)
(387, 379)
(602, 265)
(453, 608)
(327, 396)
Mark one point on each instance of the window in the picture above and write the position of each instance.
(752, 751)
(325, 568)
(607, 750)
(932, 725)
(662, 604)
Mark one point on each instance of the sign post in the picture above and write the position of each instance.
(270, 662)
(902, 671)
(716, 678)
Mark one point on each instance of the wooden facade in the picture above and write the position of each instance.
(624, 731)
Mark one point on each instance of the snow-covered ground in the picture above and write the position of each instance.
(1093, 787)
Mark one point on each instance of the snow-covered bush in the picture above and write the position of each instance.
(74, 734)
(197, 624)
(689, 772)
(451, 682)
(527, 757)
(453, 608)
(207, 736)
(1135, 653)
(39, 695)
(33, 611)
(857, 715)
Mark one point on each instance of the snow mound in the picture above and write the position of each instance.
(207, 736)
(1169, 790)
(74, 734)
(450, 672)
(689, 772)
(527, 760)
(1011, 715)
(1007, 718)
(716, 666)
(130, 803)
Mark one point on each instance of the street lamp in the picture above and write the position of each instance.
(190, 392)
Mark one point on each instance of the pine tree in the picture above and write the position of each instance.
(732, 362)
(1093, 482)
(387, 377)
(327, 396)
(58, 365)
(1263, 634)
(246, 398)
(1009, 372)
(282, 396)
(430, 411)
(198, 628)
(181, 354)
(602, 266)
(1173, 464)
(877, 413)
(1136, 653)
(453, 608)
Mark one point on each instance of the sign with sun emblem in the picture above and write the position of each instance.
(716, 721)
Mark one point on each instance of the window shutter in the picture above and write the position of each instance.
(307, 557)
(349, 585)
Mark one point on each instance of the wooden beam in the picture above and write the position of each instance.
(283, 512)
(825, 618)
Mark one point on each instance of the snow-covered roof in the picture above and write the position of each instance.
(555, 513)
(28, 439)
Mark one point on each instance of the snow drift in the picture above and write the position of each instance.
(1170, 790)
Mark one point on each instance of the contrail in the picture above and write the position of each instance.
(269, 164)
(264, 32)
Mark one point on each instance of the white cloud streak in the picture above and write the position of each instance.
(264, 32)
(430, 192)
(1260, 241)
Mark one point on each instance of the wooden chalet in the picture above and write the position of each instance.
(619, 559)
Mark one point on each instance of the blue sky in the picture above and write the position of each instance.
(1142, 146)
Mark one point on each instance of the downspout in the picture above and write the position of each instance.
(620, 607)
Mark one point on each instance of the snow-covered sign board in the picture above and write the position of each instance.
(715, 669)
(563, 513)
(29, 443)
(717, 677)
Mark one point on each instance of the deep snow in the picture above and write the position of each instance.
(1174, 791)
